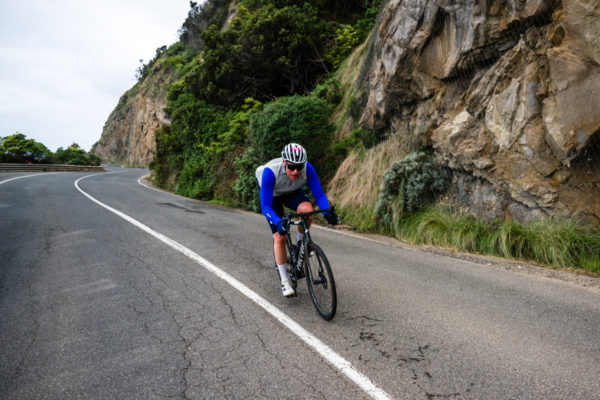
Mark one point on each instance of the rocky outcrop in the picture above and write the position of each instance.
(506, 92)
(129, 133)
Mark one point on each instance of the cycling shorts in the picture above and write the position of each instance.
(291, 200)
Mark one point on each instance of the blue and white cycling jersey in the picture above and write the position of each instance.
(273, 182)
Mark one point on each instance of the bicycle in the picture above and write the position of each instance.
(315, 266)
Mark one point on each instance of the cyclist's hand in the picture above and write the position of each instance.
(332, 218)
(281, 228)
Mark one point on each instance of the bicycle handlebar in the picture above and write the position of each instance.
(308, 214)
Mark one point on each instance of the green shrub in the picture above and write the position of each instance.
(183, 148)
(348, 37)
(168, 159)
(194, 121)
(17, 149)
(368, 138)
(246, 188)
(299, 119)
(340, 149)
(409, 185)
(195, 179)
(197, 153)
(227, 151)
(75, 155)
(329, 90)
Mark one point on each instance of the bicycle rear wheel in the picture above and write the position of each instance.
(321, 284)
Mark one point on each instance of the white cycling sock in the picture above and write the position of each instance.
(300, 237)
(283, 273)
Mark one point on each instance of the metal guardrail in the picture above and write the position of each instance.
(6, 167)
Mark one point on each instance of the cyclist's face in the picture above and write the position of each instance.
(293, 171)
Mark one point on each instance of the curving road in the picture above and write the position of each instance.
(111, 289)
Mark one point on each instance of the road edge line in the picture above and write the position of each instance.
(27, 176)
(336, 360)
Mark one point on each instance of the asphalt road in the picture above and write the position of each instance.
(93, 306)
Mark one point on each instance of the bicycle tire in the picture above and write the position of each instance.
(320, 282)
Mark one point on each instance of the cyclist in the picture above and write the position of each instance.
(281, 181)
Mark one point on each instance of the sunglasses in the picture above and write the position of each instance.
(293, 167)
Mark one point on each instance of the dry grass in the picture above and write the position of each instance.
(347, 75)
(357, 180)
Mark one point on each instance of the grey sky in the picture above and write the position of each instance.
(64, 64)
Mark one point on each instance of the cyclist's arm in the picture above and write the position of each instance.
(315, 187)
(266, 196)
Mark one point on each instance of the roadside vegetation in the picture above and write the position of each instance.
(245, 91)
(285, 70)
(18, 149)
(551, 242)
(410, 207)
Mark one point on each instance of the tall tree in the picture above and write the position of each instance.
(266, 53)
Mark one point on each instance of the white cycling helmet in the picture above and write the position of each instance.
(294, 153)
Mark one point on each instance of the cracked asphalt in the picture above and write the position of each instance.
(93, 307)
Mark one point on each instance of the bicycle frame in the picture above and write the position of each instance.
(317, 271)
(296, 261)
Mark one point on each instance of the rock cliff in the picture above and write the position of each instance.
(506, 92)
(128, 134)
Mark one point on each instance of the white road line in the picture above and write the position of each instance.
(27, 176)
(321, 348)
(150, 187)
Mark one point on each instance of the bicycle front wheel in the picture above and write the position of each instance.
(319, 279)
